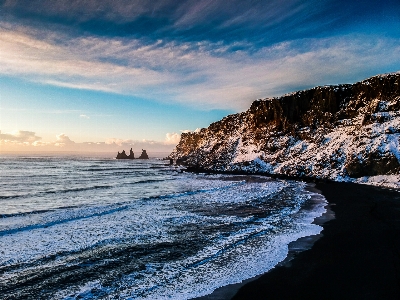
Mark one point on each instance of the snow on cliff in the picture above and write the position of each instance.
(344, 132)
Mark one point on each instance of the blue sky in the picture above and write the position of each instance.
(100, 75)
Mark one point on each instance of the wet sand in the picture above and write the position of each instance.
(357, 257)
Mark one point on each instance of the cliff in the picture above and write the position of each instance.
(342, 132)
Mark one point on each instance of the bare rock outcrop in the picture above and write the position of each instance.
(143, 155)
(131, 155)
(336, 132)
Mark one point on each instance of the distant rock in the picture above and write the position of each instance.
(124, 156)
(143, 155)
(341, 132)
(131, 155)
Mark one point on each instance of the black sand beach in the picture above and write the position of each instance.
(358, 256)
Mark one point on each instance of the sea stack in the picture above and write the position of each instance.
(123, 155)
(143, 155)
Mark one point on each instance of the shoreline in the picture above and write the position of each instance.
(357, 256)
(294, 248)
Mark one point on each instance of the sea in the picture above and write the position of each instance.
(82, 227)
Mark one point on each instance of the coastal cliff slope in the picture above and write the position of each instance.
(347, 132)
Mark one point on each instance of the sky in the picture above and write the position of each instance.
(107, 75)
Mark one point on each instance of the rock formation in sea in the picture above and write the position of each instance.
(124, 156)
(143, 155)
(339, 132)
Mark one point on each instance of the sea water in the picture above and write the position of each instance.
(77, 227)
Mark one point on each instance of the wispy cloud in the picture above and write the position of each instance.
(203, 74)
(236, 12)
(195, 20)
(178, 13)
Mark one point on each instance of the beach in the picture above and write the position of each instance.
(357, 257)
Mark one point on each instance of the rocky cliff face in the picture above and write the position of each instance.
(337, 132)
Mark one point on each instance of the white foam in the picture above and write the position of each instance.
(249, 259)
(252, 250)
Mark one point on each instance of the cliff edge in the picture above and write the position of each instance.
(347, 132)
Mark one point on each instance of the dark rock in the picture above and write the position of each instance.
(143, 155)
(373, 164)
(122, 155)
(392, 129)
(131, 154)
(286, 134)
(181, 161)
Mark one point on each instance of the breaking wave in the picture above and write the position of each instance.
(154, 233)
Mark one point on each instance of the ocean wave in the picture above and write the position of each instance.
(60, 191)
(85, 213)
(148, 234)
(12, 196)
(62, 221)
(24, 213)
(101, 169)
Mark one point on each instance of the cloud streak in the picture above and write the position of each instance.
(205, 75)
(196, 20)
